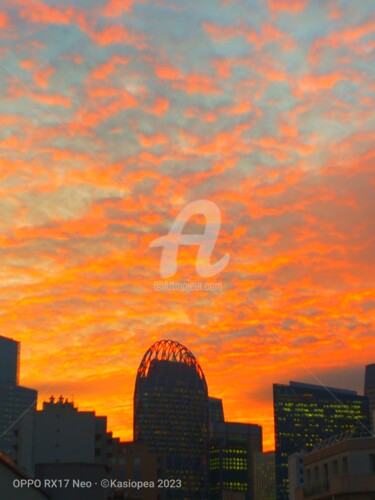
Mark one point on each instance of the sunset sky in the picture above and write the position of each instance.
(115, 115)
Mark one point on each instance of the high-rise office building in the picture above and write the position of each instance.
(306, 414)
(370, 391)
(171, 416)
(17, 406)
(232, 448)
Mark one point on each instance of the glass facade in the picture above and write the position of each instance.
(17, 405)
(171, 416)
(232, 447)
(306, 414)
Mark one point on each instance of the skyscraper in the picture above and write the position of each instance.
(17, 405)
(232, 448)
(171, 416)
(306, 414)
(370, 391)
(216, 410)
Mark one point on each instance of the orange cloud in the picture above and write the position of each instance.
(160, 106)
(293, 7)
(115, 8)
(104, 70)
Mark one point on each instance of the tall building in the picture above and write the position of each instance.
(370, 390)
(17, 406)
(171, 416)
(306, 414)
(232, 448)
(264, 475)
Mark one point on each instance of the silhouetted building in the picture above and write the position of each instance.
(62, 433)
(370, 391)
(133, 462)
(17, 406)
(71, 444)
(306, 414)
(340, 468)
(10, 473)
(216, 410)
(232, 446)
(264, 475)
(171, 416)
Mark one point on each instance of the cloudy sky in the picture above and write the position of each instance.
(116, 114)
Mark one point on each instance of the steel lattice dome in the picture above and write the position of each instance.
(168, 350)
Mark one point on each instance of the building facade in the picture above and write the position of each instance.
(343, 469)
(133, 462)
(17, 406)
(232, 448)
(63, 434)
(171, 416)
(71, 444)
(370, 391)
(264, 475)
(306, 414)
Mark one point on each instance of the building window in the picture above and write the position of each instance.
(316, 474)
(335, 468)
(308, 476)
(345, 466)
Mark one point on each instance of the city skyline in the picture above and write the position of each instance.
(116, 115)
(218, 405)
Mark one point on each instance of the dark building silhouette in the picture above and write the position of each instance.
(17, 406)
(264, 475)
(134, 462)
(171, 416)
(306, 414)
(370, 391)
(232, 448)
(216, 410)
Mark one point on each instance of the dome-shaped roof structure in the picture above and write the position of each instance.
(171, 416)
(168, 350)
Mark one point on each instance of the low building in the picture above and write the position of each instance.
(341, 468)
(73, 445)
(132, 464)
(11, 487)
(296, 472)
(64, 434)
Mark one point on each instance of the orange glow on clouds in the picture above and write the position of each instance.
(113, 120)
